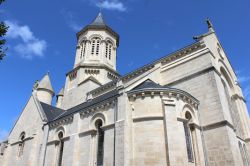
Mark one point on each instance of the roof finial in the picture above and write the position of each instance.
(210, 25)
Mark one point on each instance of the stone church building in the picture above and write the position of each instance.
(185, 109)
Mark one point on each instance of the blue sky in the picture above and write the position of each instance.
(43, 39)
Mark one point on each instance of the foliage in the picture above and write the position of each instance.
(3, 30)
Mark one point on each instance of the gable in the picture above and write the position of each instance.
(30, 121)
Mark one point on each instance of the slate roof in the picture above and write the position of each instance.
(99, 20)
(147, 84)
(97, 24)
(51, 112)
(88, 104)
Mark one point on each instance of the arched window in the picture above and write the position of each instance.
(100, 142)
(21, 144)
(246, 154)
(108, 52)
(243, 156)
(60, 147)
(188, 137)
(83, 49)
(95, 46)
(232, 107)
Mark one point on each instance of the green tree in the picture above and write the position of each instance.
(3, 30)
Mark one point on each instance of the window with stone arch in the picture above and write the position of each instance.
(108, 52)
(95, 46)
(189, 134)
(219, 50)
(232, 107)
(60, 147)
(100, 142)
(243, 154)
(246, 154)
(21, 144)
(83, 48)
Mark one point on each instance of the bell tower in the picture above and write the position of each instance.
(97, 44)
(95, 61)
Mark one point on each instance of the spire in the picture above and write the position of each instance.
(99, 20)
(61, 93)
(45, 83)
(210, 25)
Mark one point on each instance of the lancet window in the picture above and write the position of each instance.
(188, 137)
(100, 142)
(21, 144)
(60, 147)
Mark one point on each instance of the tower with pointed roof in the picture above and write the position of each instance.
(95, 61)
(44, 90)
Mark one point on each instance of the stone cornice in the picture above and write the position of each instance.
(104, 87)
(56, 141)
(147, 118)
(237, 96)
(98, 66)
(88, 132)
(25, 139)
(166, 59)
(93, 27)
(218, 124)
(109, 126)
(168, 92)
(98, 107)
(62, 121)
(181, 53)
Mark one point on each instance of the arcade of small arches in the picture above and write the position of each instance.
(95, 43)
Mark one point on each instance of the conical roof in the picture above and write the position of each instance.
(45, 83)
(61, 93)
(99, 24)
(147, 84)
(99, 20)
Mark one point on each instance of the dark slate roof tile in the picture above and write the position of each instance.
(51, 112)
(88, 104)
(147, 84)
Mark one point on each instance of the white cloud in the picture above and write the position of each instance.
(246, 92)
(112, 5)
(30, 46)
(3, 135)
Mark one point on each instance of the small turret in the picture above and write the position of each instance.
(59, 99)
(44, 90)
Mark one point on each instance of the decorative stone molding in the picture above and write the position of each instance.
(56, 141)
(164, 92)
(92, 71)
(147, 118)
(167, 59)
(98, 107)
(88, 132)
(112, 76)
(218, 124)
(73, 74)
(18, 142)
(237, 96)
(137, 72)
(109, 126)
(247, 140)
(62, 121)
(182, 53)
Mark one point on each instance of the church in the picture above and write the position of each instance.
(185, 109)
